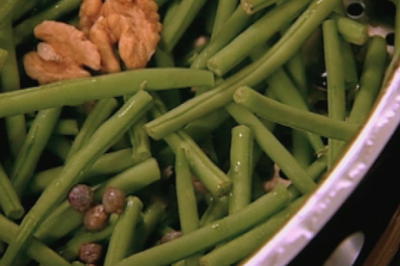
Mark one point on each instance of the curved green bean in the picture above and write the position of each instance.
(77, 91)
(294, 117)
(123, 235)
(213, 234)
(101, 140)
(32, 148)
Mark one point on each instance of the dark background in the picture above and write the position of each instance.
(369, 209)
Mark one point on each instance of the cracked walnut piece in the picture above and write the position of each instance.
(133, 24)
(62, 55)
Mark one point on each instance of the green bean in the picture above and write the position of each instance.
(97, 116)
(294, 117)
(297, 72)
(186, 198)
(351, 30)
(224, 11)
(253, 74)
(170, 97)
(24, 30)
(213, 234)
(174, 28)
(285, 91)
(7, 8)
(244, 245)
(32, 148)
(170, 13)
(187, 203)
(314, 170)
(77, 91)
(151, 217)
(240, 170)
(202, 127)
(70, 250)
(122, 237)
(3, 57)
(301, 148)
(371, 80)
(336, 85)
(350, 74)
(66, 127)
(9, 200)
(59, 146)
(9, 81)
(64, 219)
(101, 140)
(273, 148)
(231, 28)
(217, 209)
(256, 34)
(133, 178)
(209, 174)
(107, 164)
(36, 250)
(140, 141)
(253, 6)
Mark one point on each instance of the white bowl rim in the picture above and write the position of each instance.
(341, 182)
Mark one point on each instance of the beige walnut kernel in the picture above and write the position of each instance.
(133, 25)
(62, 55)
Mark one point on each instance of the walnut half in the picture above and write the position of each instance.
(133, 24)
(62, 55)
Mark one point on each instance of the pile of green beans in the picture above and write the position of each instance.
(220, 138)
